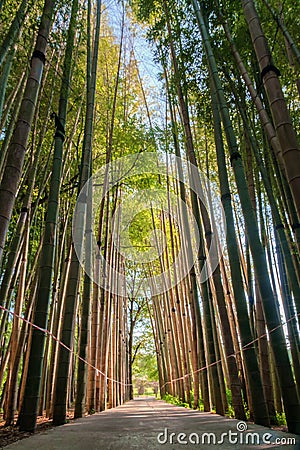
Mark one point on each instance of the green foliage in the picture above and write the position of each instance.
(179, 402)
(145, 366)
(175, 401)
(280, 419)
(145, 363)
(230, 410)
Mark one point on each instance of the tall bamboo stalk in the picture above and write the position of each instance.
(281, 117)
(29, 411)
(277, 338)
(19, 141)
(60, 396)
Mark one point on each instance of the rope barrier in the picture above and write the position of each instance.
(55, 338)
(233, 354)
(99, 372)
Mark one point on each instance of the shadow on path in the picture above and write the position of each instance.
(148, 424)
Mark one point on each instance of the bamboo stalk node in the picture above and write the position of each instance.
(269, 68)
(234, 156)
(60, 129)
(225, 196)
(59, 135)
(40, 55)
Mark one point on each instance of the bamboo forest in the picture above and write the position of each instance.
(149, 209)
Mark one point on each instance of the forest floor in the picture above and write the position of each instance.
(148, 424)
(11, 434)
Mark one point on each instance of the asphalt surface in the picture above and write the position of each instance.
(148, 424)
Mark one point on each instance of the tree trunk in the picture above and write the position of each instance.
(281, 117)
(18, 145)
(33, 383)
(13, 32)
(277, 338)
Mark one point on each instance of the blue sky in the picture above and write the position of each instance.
(143, 53)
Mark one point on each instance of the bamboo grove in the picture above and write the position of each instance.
(74, 98)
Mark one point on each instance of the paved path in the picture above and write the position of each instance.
(139, 423)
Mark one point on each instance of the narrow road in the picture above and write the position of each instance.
(148, 424)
